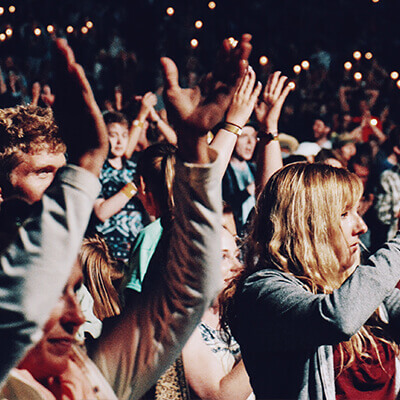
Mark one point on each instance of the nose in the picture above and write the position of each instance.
(73, 316)
(360, 226)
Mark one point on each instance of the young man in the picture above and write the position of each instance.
(41, 232)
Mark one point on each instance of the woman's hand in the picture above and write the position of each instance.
(269, 109)
(244, 99)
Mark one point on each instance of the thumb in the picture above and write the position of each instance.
(170, 72)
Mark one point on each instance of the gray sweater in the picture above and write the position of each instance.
(286, 333)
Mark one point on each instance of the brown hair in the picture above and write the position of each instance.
(100, 271)
(156, 166)
(27, 129)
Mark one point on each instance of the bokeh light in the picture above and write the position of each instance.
(3, 37)
(11, 9)
(368, 55)
(84, 30)
(394, 75)
(373, 122)
(305, 65)
(198, 24)
(292, 85)
(89, 24)
(70, 29)
(358, 76)
(1, 10)
(50, 28)
(194, 43)
(170, 11)
(263, 60)
(297, 69)
(37, 31)
(212, 5)
(357, 55)
(9, 32)
(348, 65)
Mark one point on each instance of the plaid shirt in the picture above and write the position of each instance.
(388, 203)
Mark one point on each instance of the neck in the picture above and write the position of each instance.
(238, 161)
(116, 162)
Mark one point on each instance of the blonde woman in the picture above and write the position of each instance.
(311, 322)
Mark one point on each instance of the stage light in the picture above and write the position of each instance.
(11, 9)
(292, 85)
(84, 30)
(263, 60)
(170, 11)
(70, 29)
(375, 1)
(297, 69)
(348, 65)
(50, 28)
(1, 10)
(3, 37)
(374, 122)
(194, 43)
(305, 65)
(9, 32)
(212, 5)
(358, 76)
(398, 84)
(394, 75)
(368, 55)
(357, 55)
(89, 24)
(37, 31)
(198, 24)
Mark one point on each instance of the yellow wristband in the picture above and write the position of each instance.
(138, 123)
(232, 128)
(129, 190)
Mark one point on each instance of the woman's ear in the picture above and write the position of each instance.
(142, 186)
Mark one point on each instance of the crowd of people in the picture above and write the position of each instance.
(232, 239)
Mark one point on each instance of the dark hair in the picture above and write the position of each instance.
(156, 166)
(113, 117)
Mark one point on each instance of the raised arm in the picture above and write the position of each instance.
(268, 111)
(139, 346)
(168, 133)
(36, 258)
(149, 100)
(238, 114)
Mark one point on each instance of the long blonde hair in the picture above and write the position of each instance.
(296, 230)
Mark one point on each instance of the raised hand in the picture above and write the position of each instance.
(80, 122)
(269, 109)
(244, 99)
(195, 111)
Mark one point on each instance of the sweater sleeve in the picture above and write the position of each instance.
(35, 263)
(297, 318)
(139, 346)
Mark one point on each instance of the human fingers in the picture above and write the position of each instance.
(274, 82)
(279, 86)
(250, 86)
(243, 84)
(170, 73)
(256, 93)
(243, 50)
